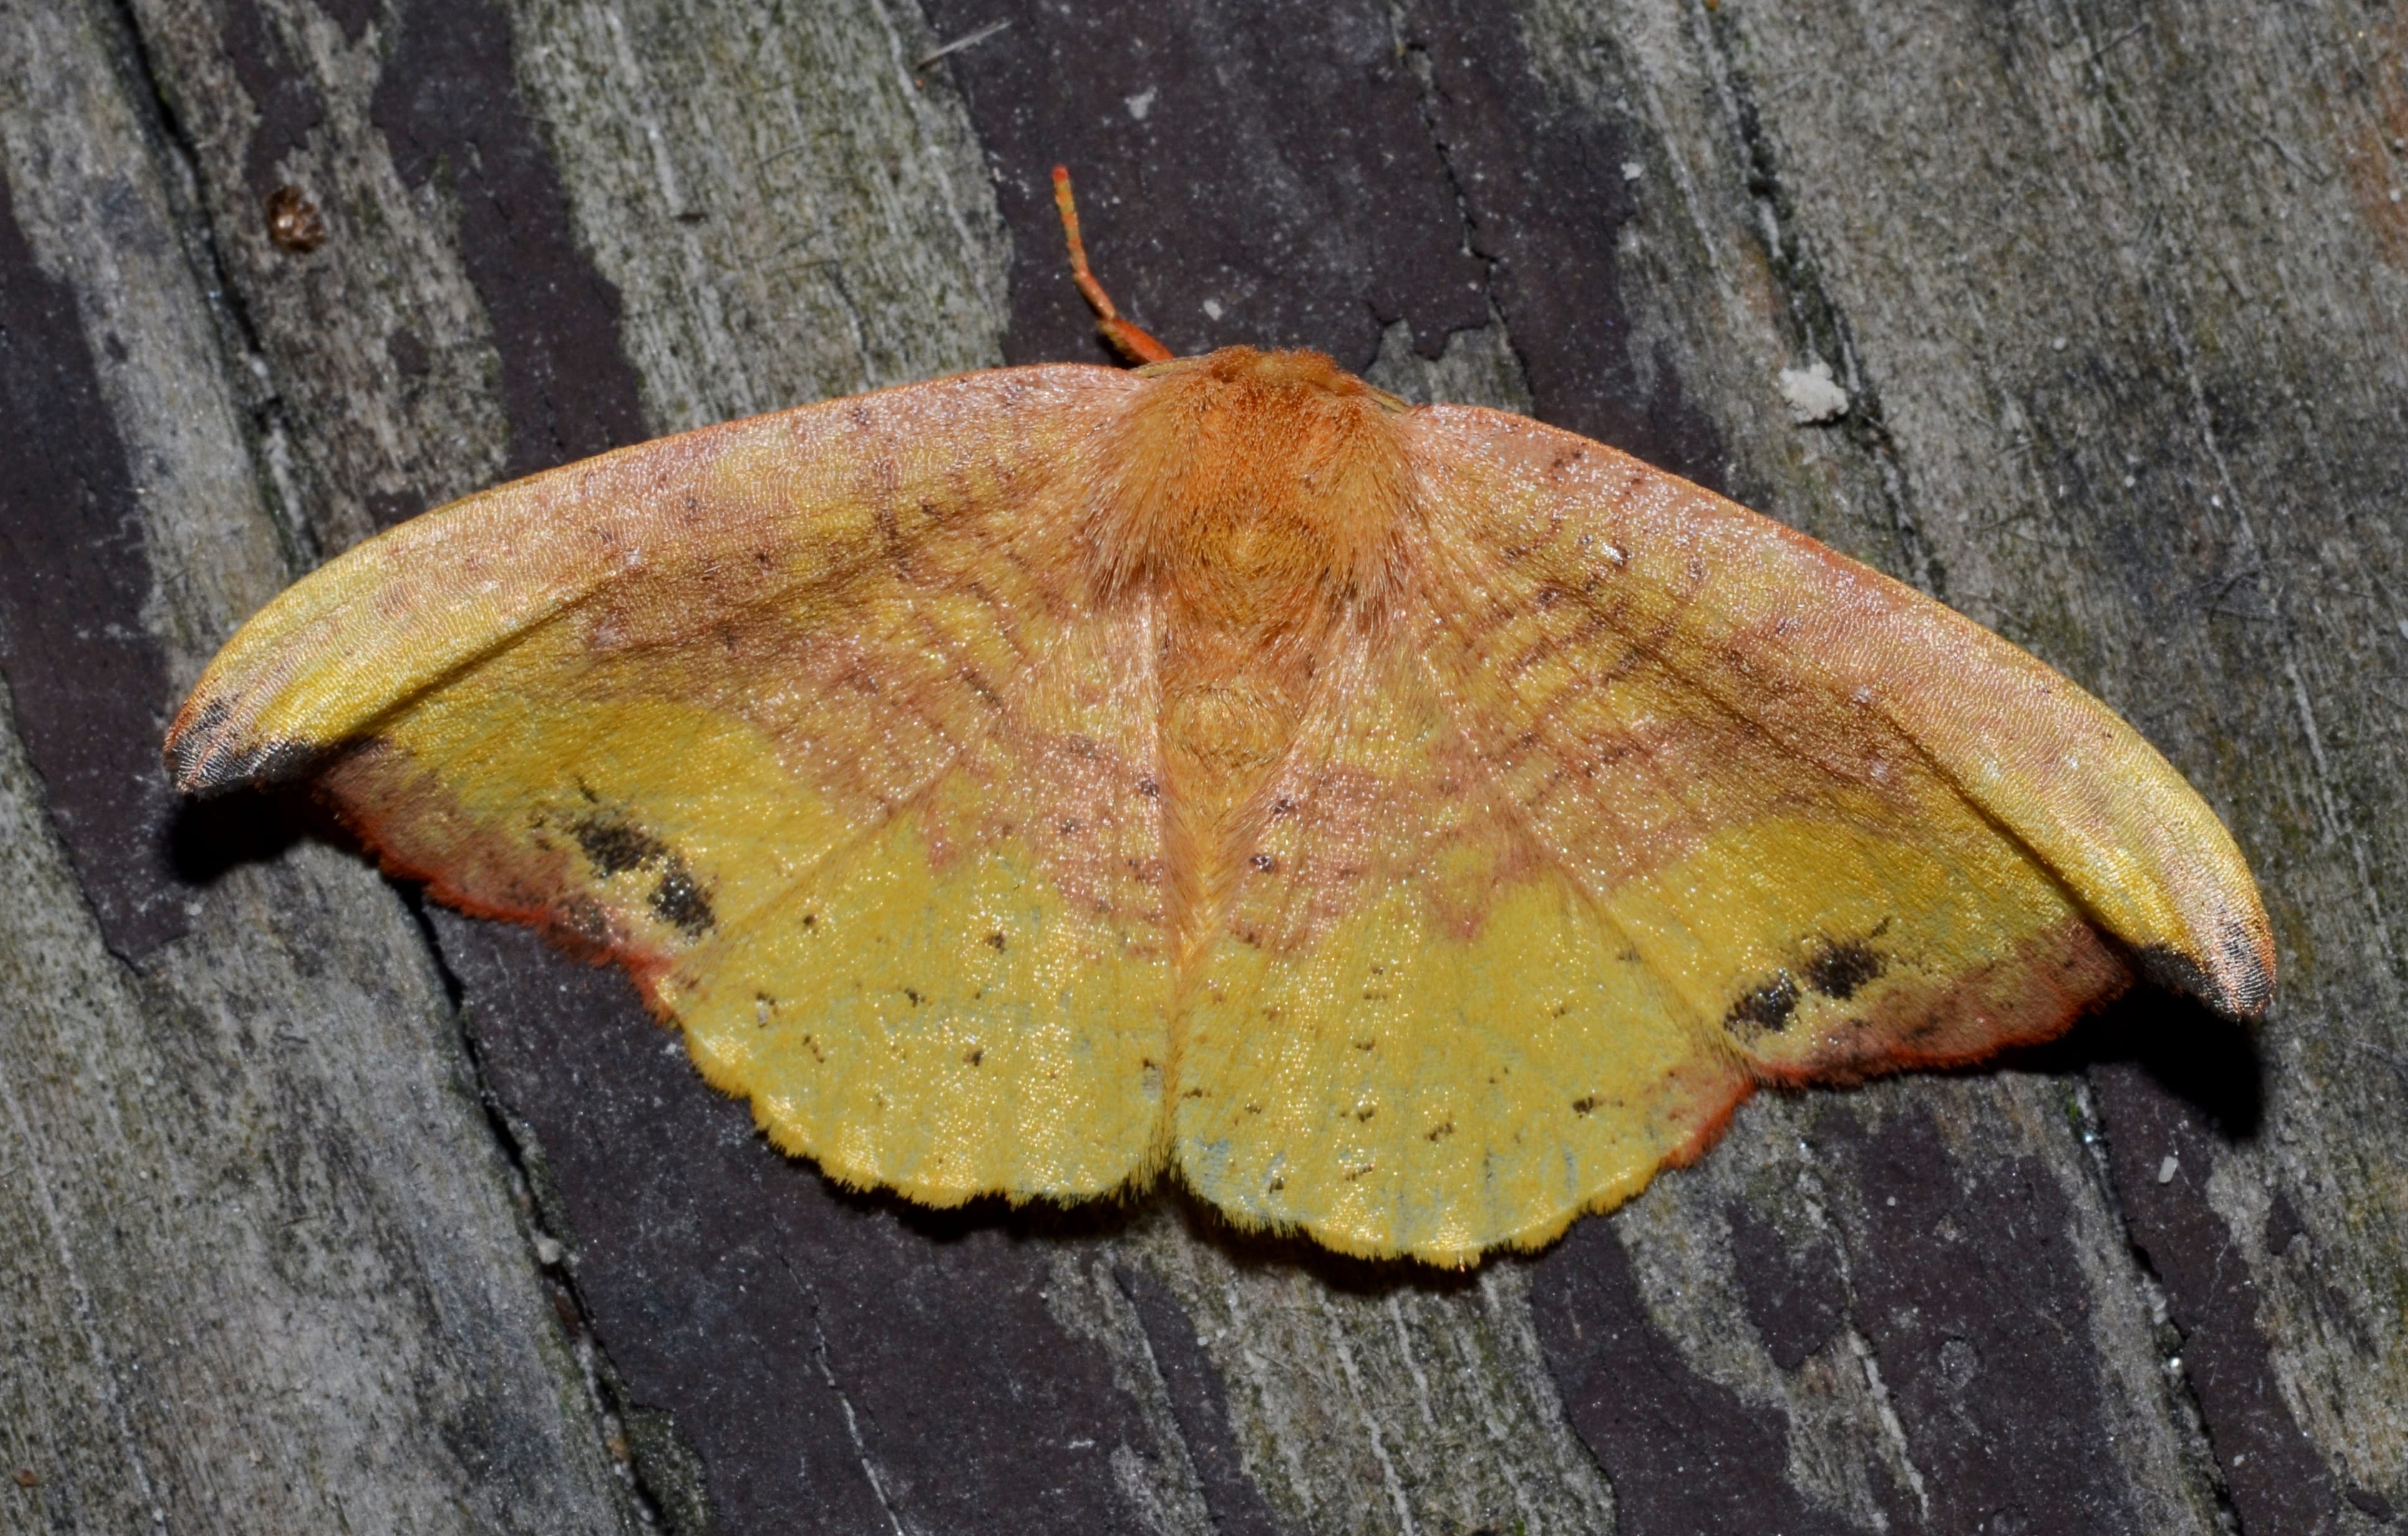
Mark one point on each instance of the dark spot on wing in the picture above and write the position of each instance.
(996, 940)
(1766, 1008)
(681, 902)
(1585, 1104)
(1837, 970)
(614, 844)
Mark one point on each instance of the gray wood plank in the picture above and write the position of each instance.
(263, 1264)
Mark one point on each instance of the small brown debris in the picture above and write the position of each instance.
(293, 221)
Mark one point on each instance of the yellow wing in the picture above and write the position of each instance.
(1641, 800)
(805, 721)
(1415, 1032)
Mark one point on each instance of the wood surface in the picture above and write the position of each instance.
(320, 1210)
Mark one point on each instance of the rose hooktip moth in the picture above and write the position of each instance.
(1410, 826)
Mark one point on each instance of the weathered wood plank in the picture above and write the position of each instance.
(2116, 302)
(262, 1263)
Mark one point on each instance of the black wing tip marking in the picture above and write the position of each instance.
(2240, 987)
(204, 761)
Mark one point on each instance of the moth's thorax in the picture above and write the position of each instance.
(1257, 490)
(1258, 500)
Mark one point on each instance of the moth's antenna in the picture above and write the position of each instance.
(1128, 339)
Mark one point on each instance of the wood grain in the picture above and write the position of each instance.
(2116, 297)
(262, 1261)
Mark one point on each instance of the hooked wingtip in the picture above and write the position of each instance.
(2237, 979)
(205, 756)
(197, 729)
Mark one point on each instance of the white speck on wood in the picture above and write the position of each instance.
(1813, 395)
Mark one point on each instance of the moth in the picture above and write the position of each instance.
(1410, 826)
